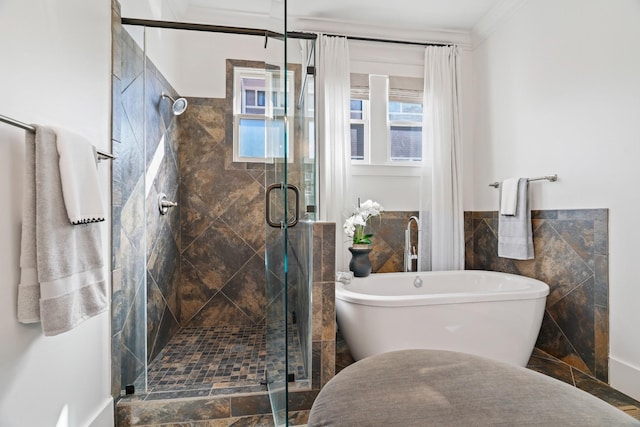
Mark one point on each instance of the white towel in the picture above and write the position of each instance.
(29, 287)
(62, 279)
(515, 235)
(509, 196)
(79, 176)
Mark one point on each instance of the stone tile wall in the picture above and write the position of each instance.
(223, 222)
(387, 253)
(323, 328)
(300, 283)
(222, 227)
(571, 256)
(162, 231)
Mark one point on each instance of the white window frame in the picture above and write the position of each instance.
(366, 152)
(377, 133)
(269, 114)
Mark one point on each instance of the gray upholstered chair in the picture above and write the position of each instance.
(442, 388)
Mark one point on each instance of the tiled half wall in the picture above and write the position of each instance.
(571, 256)
(387, 253)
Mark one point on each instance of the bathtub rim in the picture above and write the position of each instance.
(536, 289)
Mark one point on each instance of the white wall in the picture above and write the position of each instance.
(55, 70)
(557, 90)
(195, 62)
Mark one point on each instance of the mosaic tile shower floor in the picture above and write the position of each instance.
(214, 361)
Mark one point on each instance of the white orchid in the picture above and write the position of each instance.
(355, 224)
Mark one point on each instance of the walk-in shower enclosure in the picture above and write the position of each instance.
(211, 210)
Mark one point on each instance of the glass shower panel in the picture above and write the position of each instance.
(301, 173)
(145, 242)
(129, 212)
(162, 179)
(276, 239)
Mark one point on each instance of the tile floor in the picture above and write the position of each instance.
(549, 365)
(216, 360)
(232, 359)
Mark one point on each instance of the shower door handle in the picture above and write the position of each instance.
(291, 222)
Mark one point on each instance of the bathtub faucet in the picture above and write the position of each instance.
(410, 252)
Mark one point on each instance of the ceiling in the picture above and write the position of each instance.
(452, 15)
(420, 20)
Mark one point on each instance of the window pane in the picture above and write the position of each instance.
(250, 97)
(395, 107)
(357, 141)
(406, 143)
(405, 117)
(255, 110)
(251, 138)
(409, 107)
(276, 138)
(250, 86)
(356, 109)
(261, 98)
(405, 111)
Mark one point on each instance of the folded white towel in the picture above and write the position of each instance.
(79, 177)
(509, 196)
(62, 279)
(515, 234)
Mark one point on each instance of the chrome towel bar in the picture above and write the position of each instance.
(551, 178)
(29, 128)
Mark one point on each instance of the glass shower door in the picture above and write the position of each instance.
(289, 184)
(276, 222)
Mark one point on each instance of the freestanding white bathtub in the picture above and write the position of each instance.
(491, 314)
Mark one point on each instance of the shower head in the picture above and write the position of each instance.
(179, 105)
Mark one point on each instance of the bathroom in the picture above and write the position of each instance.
(545, 94)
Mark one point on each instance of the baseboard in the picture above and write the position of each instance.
(104, 417)
(624, 377)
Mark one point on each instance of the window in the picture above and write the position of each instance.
(390, 110)
(405, 131)
(258, 115)
(359, 126)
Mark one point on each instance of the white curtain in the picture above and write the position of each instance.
(441, 213)
(333, 93)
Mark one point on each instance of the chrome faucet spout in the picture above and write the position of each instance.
(415, 219)
(410, 252)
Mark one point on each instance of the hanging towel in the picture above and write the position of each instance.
(29, 288)
(515, 235)
(79, 177)
(69, 286)
(509, 196)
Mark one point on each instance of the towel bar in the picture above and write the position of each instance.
(551, 178)
(29, 128)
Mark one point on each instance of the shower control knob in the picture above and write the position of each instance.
(164, 204)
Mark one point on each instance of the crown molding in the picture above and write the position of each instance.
(357, 29)
(258, 19)
(231, 18)
(489, 22)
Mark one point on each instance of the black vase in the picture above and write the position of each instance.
(360, 263)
